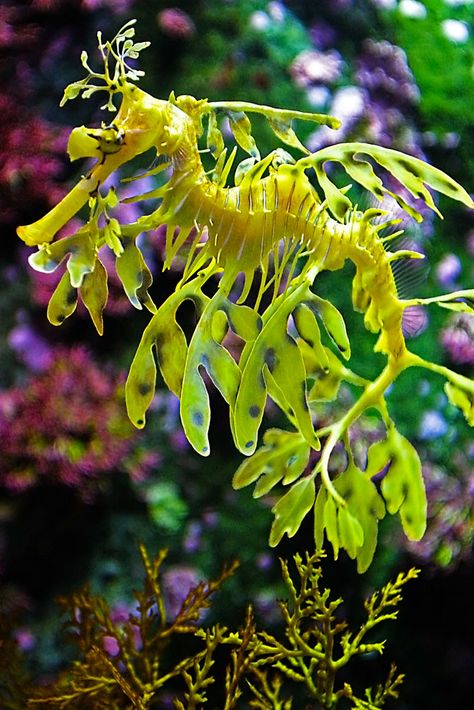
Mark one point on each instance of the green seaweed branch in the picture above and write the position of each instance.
(142, 661)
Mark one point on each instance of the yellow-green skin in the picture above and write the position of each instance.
(263, 225)
(244, 223)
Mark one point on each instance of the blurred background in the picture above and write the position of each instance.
(79, 487)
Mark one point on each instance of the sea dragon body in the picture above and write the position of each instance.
(275, 223)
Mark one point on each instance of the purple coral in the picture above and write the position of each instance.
(29, 158)
(458, 339)
(313, 67)
(450, 533)
(383, 71)
(176, 23)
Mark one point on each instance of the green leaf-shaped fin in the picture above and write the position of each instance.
(314, 353)
(82, 254)
(276, 352)
(94, 293)
(207, 352)
(414, 174)
(460, 392)
(353, 528)
(403, 487)
(215, 140)
(242, 129)
(166, 336)
(63, 302)
(284, 131)
(283, 457)
(291, 509)
(135, 275)
(332, 321)
(459, 301)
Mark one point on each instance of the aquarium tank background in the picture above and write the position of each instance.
(89, 500)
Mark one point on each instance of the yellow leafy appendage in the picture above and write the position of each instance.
(266, 237)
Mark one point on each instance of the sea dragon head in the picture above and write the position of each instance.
(141, 123)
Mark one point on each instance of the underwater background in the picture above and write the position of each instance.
(79, 486)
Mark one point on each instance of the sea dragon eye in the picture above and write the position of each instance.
(109, 138)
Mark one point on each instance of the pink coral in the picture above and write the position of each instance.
(53, 430)
(175, 22)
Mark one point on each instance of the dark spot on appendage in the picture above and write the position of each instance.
(71, 297)
(270, 359)
(143, 388)
(197, 418)
(205, 361)
(409, 167)
(254, 411)
(259, 324)
(249, 444)
(205, 449)
(348, 494)
(61, 318)
(140, 422)
(160, 340)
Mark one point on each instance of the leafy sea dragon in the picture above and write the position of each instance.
(266, 237)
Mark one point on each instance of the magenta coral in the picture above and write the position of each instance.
(53, 430)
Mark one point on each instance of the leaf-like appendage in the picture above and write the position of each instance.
(63, 302)
(460, 393)
(215, 140)
(165, 335)
(332, 321)
(466, 305)
(283, 457)
(378, 457)
(242, 129)
(414, 174)
(314, 353)
(291, 509)
(276, 352)
(82, 255)
(135, 275)
(94, 293)
(327, 380)
(284, 131)
(355, 527)
(205, 351)
(403, 487)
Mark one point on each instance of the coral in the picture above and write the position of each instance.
(54, 431)
(30, 160)
(457, 338)
(449, 536)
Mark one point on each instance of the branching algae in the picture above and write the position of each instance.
(142, 662)
(266, 238)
